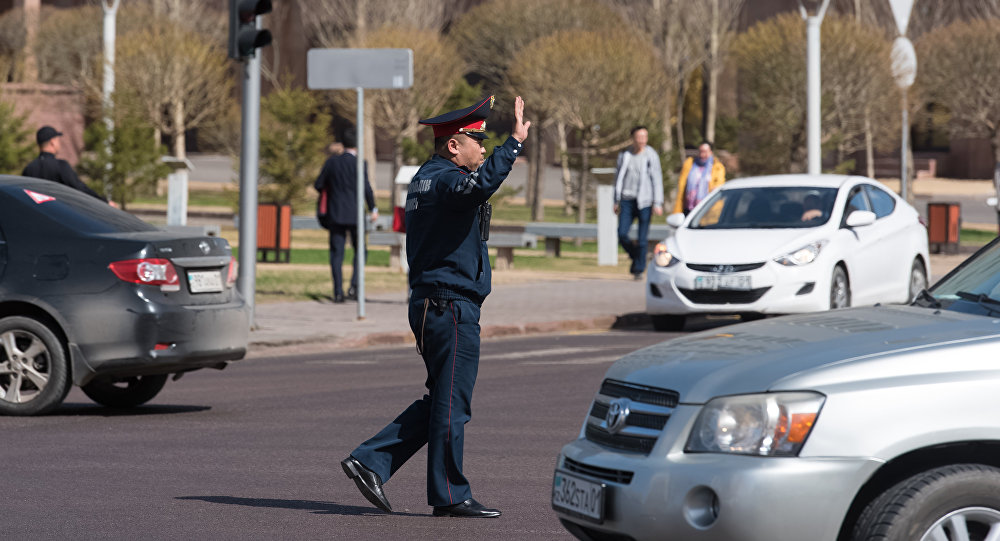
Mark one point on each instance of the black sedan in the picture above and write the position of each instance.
(93, 296)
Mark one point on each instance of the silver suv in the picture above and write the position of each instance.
(863, 423)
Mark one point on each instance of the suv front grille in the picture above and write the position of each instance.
(621, 477)
(648, 409)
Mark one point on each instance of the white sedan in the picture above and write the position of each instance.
(787, 244)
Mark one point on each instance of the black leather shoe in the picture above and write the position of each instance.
(352, 294)
(368, 483)
(339, 299)
(468, 509)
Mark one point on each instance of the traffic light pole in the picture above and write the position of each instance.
(249, 149)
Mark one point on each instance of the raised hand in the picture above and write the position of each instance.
(520, 130)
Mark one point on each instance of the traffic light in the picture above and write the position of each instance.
(244, 37)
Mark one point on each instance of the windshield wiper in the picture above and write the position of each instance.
(987, 302)
(925, 295)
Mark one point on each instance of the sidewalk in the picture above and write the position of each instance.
(511, 309)
(540, 306)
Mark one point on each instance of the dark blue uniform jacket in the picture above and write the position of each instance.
(444, 249)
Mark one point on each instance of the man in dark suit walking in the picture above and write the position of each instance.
(47, 166)
(338, 209)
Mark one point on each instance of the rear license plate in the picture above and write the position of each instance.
(205, 281)
(739, 282)
(578, 496)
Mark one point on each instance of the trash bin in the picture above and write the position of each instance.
(944, 222)
(274, 233)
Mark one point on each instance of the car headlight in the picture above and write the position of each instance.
(769, 424)
(803, 256)
(662, 257)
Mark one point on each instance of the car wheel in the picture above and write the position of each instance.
(918, 280)
(840, 289)
(668, 322)
(125, 392)
(960, 501)
(34, 374)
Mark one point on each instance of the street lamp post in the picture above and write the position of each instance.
(813, 81)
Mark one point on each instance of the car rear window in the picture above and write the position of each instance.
(78, 211)
(767, 207)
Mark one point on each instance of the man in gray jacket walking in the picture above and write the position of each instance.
(638, 194)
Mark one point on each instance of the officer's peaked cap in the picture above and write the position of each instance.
(470, 121)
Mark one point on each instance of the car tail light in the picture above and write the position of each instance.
(153, 272)
(234, 272)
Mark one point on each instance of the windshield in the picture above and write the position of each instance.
(766, 207)
(973, 287)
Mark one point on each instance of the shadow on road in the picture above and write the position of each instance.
(327, 508)
(74, 409)
(639, 321)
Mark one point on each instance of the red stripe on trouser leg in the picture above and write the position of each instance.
(451, 395)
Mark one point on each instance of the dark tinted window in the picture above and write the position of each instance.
(857, 201)
(882, 203)
(767, 207)
(78, 211)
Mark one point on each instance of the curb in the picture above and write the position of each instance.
(395, 338)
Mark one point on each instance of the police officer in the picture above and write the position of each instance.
(47, 166)
(447, 224)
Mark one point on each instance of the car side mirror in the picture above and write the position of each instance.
(860, 218)
(675, 220)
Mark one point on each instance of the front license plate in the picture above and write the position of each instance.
(578, 496)
(739, 282)
(205, 281)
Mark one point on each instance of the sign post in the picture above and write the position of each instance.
(904, 71)
(329, 69)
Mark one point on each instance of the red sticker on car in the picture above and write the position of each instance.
(39, 197)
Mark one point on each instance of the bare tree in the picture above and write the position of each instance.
(623, 82)
(514, 27)
(722, 17)
(672, 26)
(170, 67)
(960, 70)
(856, 77)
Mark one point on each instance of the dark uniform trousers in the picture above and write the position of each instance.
(447, 334)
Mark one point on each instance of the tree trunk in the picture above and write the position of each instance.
(537, 200)
(177, 109)
(681, 93)
(567, 179)
(712, 72)
(869, 145)
(529, 189)
(995, 143)
(397, 163)
(32, 8)
(668, 128)
(581, 196)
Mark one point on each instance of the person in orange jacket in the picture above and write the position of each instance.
(699, 176)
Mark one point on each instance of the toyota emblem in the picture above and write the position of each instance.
(618, 412)
(205, 247)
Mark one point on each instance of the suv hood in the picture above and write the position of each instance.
(776, 353)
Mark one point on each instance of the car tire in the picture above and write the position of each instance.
(926, 506)
(918, 280)
(668, 322)
(34, 374)
(125, 392)
(840, 289)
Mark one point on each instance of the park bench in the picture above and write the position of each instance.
(554, 233)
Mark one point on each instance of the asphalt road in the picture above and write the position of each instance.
(252, 452)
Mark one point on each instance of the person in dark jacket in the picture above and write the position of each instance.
(47, 166)
(447, 223)
(337, 184)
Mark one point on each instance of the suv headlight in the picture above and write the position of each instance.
(803, 256)
(768, 424)
(662, 257)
